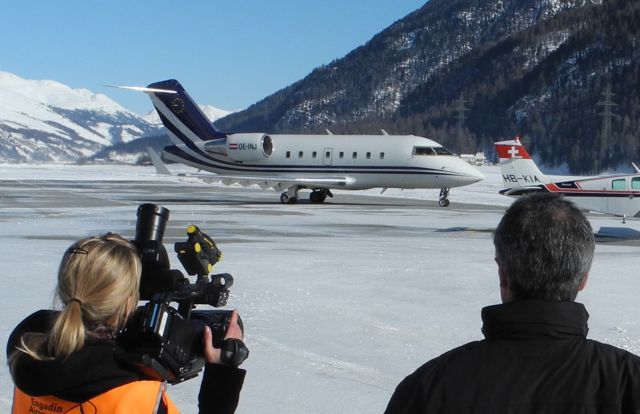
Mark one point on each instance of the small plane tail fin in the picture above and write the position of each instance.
(517, 167)
(161, 168)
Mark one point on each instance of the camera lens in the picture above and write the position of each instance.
(152, 221)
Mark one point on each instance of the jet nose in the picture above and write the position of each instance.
(470, 174)
(463, 172)
(476, 175)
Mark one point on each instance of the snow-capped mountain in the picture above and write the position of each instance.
(43, 120)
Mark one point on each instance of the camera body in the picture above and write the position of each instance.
(159, 340)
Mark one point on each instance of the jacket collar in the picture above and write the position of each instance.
(535, 319)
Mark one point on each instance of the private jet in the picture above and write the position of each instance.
(291, 162)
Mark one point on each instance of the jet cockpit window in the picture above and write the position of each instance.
(418, 151)
(442, 151)
(423, 151)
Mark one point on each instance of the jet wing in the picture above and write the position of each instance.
(279, 183)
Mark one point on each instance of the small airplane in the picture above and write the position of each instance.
(618, 195)
(292, 162)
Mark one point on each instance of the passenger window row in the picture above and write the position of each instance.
(621, 183)
(314, 154)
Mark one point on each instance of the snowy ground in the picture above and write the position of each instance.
(340, 301)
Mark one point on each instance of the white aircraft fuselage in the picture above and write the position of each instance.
(367, 161)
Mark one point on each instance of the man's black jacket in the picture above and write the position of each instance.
(535, 358)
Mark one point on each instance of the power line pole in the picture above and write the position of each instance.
(460, 109)
(606, 115)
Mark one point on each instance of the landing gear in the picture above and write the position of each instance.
(318, 196)
(290, 196)
(443, 201)
(285, 199)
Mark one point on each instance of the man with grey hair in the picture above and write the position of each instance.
(535, 357)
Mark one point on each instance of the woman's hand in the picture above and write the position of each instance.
(211, 354)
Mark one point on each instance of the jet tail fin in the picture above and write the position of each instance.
(517, 167)
(184, 120)
(180, 114)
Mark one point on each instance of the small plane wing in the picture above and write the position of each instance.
(520, 190)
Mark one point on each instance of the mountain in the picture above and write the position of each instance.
(47, 121)
(470, 72)
(43, 120)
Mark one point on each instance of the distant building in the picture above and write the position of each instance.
(474, 159)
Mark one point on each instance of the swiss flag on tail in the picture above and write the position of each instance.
(511, 149)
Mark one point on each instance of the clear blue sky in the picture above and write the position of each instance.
(229, 54)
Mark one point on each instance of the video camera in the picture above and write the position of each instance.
(159, 340)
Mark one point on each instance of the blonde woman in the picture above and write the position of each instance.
(63, 361)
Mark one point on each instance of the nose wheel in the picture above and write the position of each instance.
(290, 196)
(285, 199)
(443, 200)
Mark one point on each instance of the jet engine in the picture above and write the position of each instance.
(249, 147)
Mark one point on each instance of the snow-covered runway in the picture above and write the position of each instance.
(340, 301)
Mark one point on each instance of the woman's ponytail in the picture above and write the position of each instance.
(68, 332)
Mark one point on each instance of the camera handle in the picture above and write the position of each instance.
(233, 352)
(214, 292)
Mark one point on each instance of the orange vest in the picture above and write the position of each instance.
(138, 397)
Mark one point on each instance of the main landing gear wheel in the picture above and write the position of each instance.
(444, 200)
(285, 199)
(318, 196)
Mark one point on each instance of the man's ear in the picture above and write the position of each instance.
(505, 292)
(583, 282)
(503, 278)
